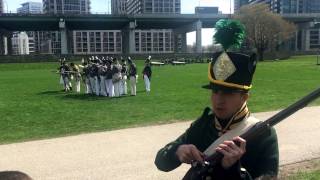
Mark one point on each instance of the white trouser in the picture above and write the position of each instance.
(133, 85)
(66, 83)
(103, 91)
(123, 85)
(97, 85)
(70, 84)
(110, 87)
(92, 84)
(61, 80)
(146, 82)
(78, 85)
(117, 88)
(88, 87)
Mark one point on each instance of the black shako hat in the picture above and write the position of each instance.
(231, 71)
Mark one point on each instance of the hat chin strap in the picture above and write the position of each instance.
(223, 83)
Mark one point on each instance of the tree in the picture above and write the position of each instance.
(264, 29)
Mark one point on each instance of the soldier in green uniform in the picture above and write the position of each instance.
(217, 130)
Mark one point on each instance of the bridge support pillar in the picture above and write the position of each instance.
(128, 44)
(305, 39)
(198, 26)
(2, 44)
(9, 50)
(63, 35)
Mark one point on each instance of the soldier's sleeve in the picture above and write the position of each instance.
(166, 159)
(269, 158)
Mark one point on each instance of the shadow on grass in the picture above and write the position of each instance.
(84, 97)
(89, 97)
(51, 92)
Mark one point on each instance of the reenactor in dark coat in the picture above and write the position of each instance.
(218, 130)
(146, 74)
(124, 71)
(132, 77)
(64, 71)
(109, 83)
(86, 78)
(116, 77)
(75, 71)
(102, 83)
(93, 76)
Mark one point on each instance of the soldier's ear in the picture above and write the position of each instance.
(244, 96)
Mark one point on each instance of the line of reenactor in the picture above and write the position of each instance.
(101, 76)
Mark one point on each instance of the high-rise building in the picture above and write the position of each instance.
(66, 6)
(152, 40)
(118, 7)
(298, 6)
(239, 3)
(153, 6)
(53, 39)
(291, 6)
(30, 8)
(306, 39)
(1, 6)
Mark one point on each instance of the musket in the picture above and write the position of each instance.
(65, 72)
(198, 171)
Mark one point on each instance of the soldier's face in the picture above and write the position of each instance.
(226, 104)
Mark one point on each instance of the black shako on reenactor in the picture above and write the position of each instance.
(217, 131)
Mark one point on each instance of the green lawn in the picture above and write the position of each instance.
(315, 175)
(32, 105)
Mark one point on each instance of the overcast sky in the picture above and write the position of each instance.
(187, 7)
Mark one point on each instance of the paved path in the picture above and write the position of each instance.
(129, 153)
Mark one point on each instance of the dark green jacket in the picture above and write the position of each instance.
(261, 157)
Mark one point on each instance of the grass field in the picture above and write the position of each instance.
(32, 105)
(314, 175)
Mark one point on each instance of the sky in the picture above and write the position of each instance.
(187, 7)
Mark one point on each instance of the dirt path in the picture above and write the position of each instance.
(129, 153)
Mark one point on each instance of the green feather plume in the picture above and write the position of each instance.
(229, 33)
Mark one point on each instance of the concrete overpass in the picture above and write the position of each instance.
(33, 22)
(180, 23)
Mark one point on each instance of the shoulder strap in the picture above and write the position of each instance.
(242, 127)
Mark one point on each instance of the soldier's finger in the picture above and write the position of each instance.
(196, 155)
(242, 143)
(231, 145)
(223, 151)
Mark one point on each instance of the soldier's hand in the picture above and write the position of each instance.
(188, 153)
(231, 151)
